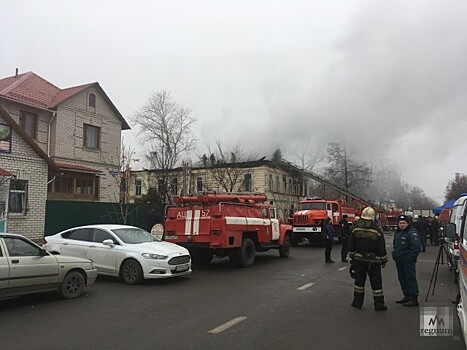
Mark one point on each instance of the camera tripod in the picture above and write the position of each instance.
(439, 259)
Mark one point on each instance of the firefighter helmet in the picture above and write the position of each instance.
(368, 213)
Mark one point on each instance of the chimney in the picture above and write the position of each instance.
(16, 74)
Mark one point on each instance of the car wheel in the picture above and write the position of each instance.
(247, 253)
(284, 250)
(131, 272)
(72, 285)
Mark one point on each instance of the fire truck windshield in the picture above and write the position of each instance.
(312, 205)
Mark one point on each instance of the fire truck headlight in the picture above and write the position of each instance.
(154, 256)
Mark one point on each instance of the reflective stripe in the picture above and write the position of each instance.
(358, 289)
(377, 292)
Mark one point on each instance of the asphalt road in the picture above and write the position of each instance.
(294, 303)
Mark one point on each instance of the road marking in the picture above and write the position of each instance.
(227, 325)
(305, 286)
(342, 268)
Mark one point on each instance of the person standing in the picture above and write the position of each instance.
(328, 232)
(434, 231)
(422, 229)
(406, 246)
(345, 235)
(368, 255)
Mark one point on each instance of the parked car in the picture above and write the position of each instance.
(128, 252)
(27, 268)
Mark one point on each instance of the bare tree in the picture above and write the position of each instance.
(122, 178)
(456, 187)
(166, 131)
(344, 171)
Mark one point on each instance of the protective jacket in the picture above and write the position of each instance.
(367, 243)
(406, 244)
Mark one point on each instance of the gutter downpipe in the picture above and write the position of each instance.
(54, 114)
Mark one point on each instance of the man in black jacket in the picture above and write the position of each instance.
(368, 254)
(345, 236)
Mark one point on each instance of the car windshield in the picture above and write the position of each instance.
(312, 205)
(134, 235)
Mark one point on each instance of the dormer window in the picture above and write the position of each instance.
(92, 100)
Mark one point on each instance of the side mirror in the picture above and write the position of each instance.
(449, 230)
(108, 242)
(43, 252)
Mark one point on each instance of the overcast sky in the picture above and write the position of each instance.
(386, 78)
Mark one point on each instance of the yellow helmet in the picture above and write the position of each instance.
(368, 213)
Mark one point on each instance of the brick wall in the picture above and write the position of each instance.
(27, 165)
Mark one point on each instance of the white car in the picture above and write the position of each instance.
(27, 268)
(128, 252)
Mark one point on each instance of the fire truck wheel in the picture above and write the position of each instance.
(247, 253)
(284, 250)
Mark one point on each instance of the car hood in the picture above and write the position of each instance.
(63, 259)
(164, 248)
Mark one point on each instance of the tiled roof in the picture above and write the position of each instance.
(66, 93)
(76, 167)
(32, 90)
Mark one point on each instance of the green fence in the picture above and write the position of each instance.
(61, 215)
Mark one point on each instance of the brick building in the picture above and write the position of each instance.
(282, 183)
(72, 135)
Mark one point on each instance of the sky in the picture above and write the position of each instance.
(386, 78)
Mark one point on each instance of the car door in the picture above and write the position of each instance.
(29, 268)
(4, 270)
(103, 256)
(77, 242)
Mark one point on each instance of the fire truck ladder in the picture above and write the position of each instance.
(355, 198)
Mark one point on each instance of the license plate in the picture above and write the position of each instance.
(171, 237)
(181, 268)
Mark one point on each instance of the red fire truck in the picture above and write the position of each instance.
(230, 225)
(309, 218)
(389, 219)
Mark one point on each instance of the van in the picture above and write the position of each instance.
(455, 234)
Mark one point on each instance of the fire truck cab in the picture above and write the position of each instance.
(308, 220)
(230, 225)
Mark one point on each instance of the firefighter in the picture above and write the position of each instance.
(329, 232)
(345, 235)
(407, 246)
(368, 255)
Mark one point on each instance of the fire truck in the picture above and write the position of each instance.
(308, 220)
(223, 225)
(390, 217)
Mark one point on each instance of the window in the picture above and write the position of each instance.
(84, 186)
(174, 188)
(19, 247)
(74, 186)
(161, 185)
(100, 236)
(28, 122)
(91, 137)
(271, 184)
(92, 100)
(199, 184)
(17, 198)
(138, 185)
(64, 184)
(247, 183)
(83, 234)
